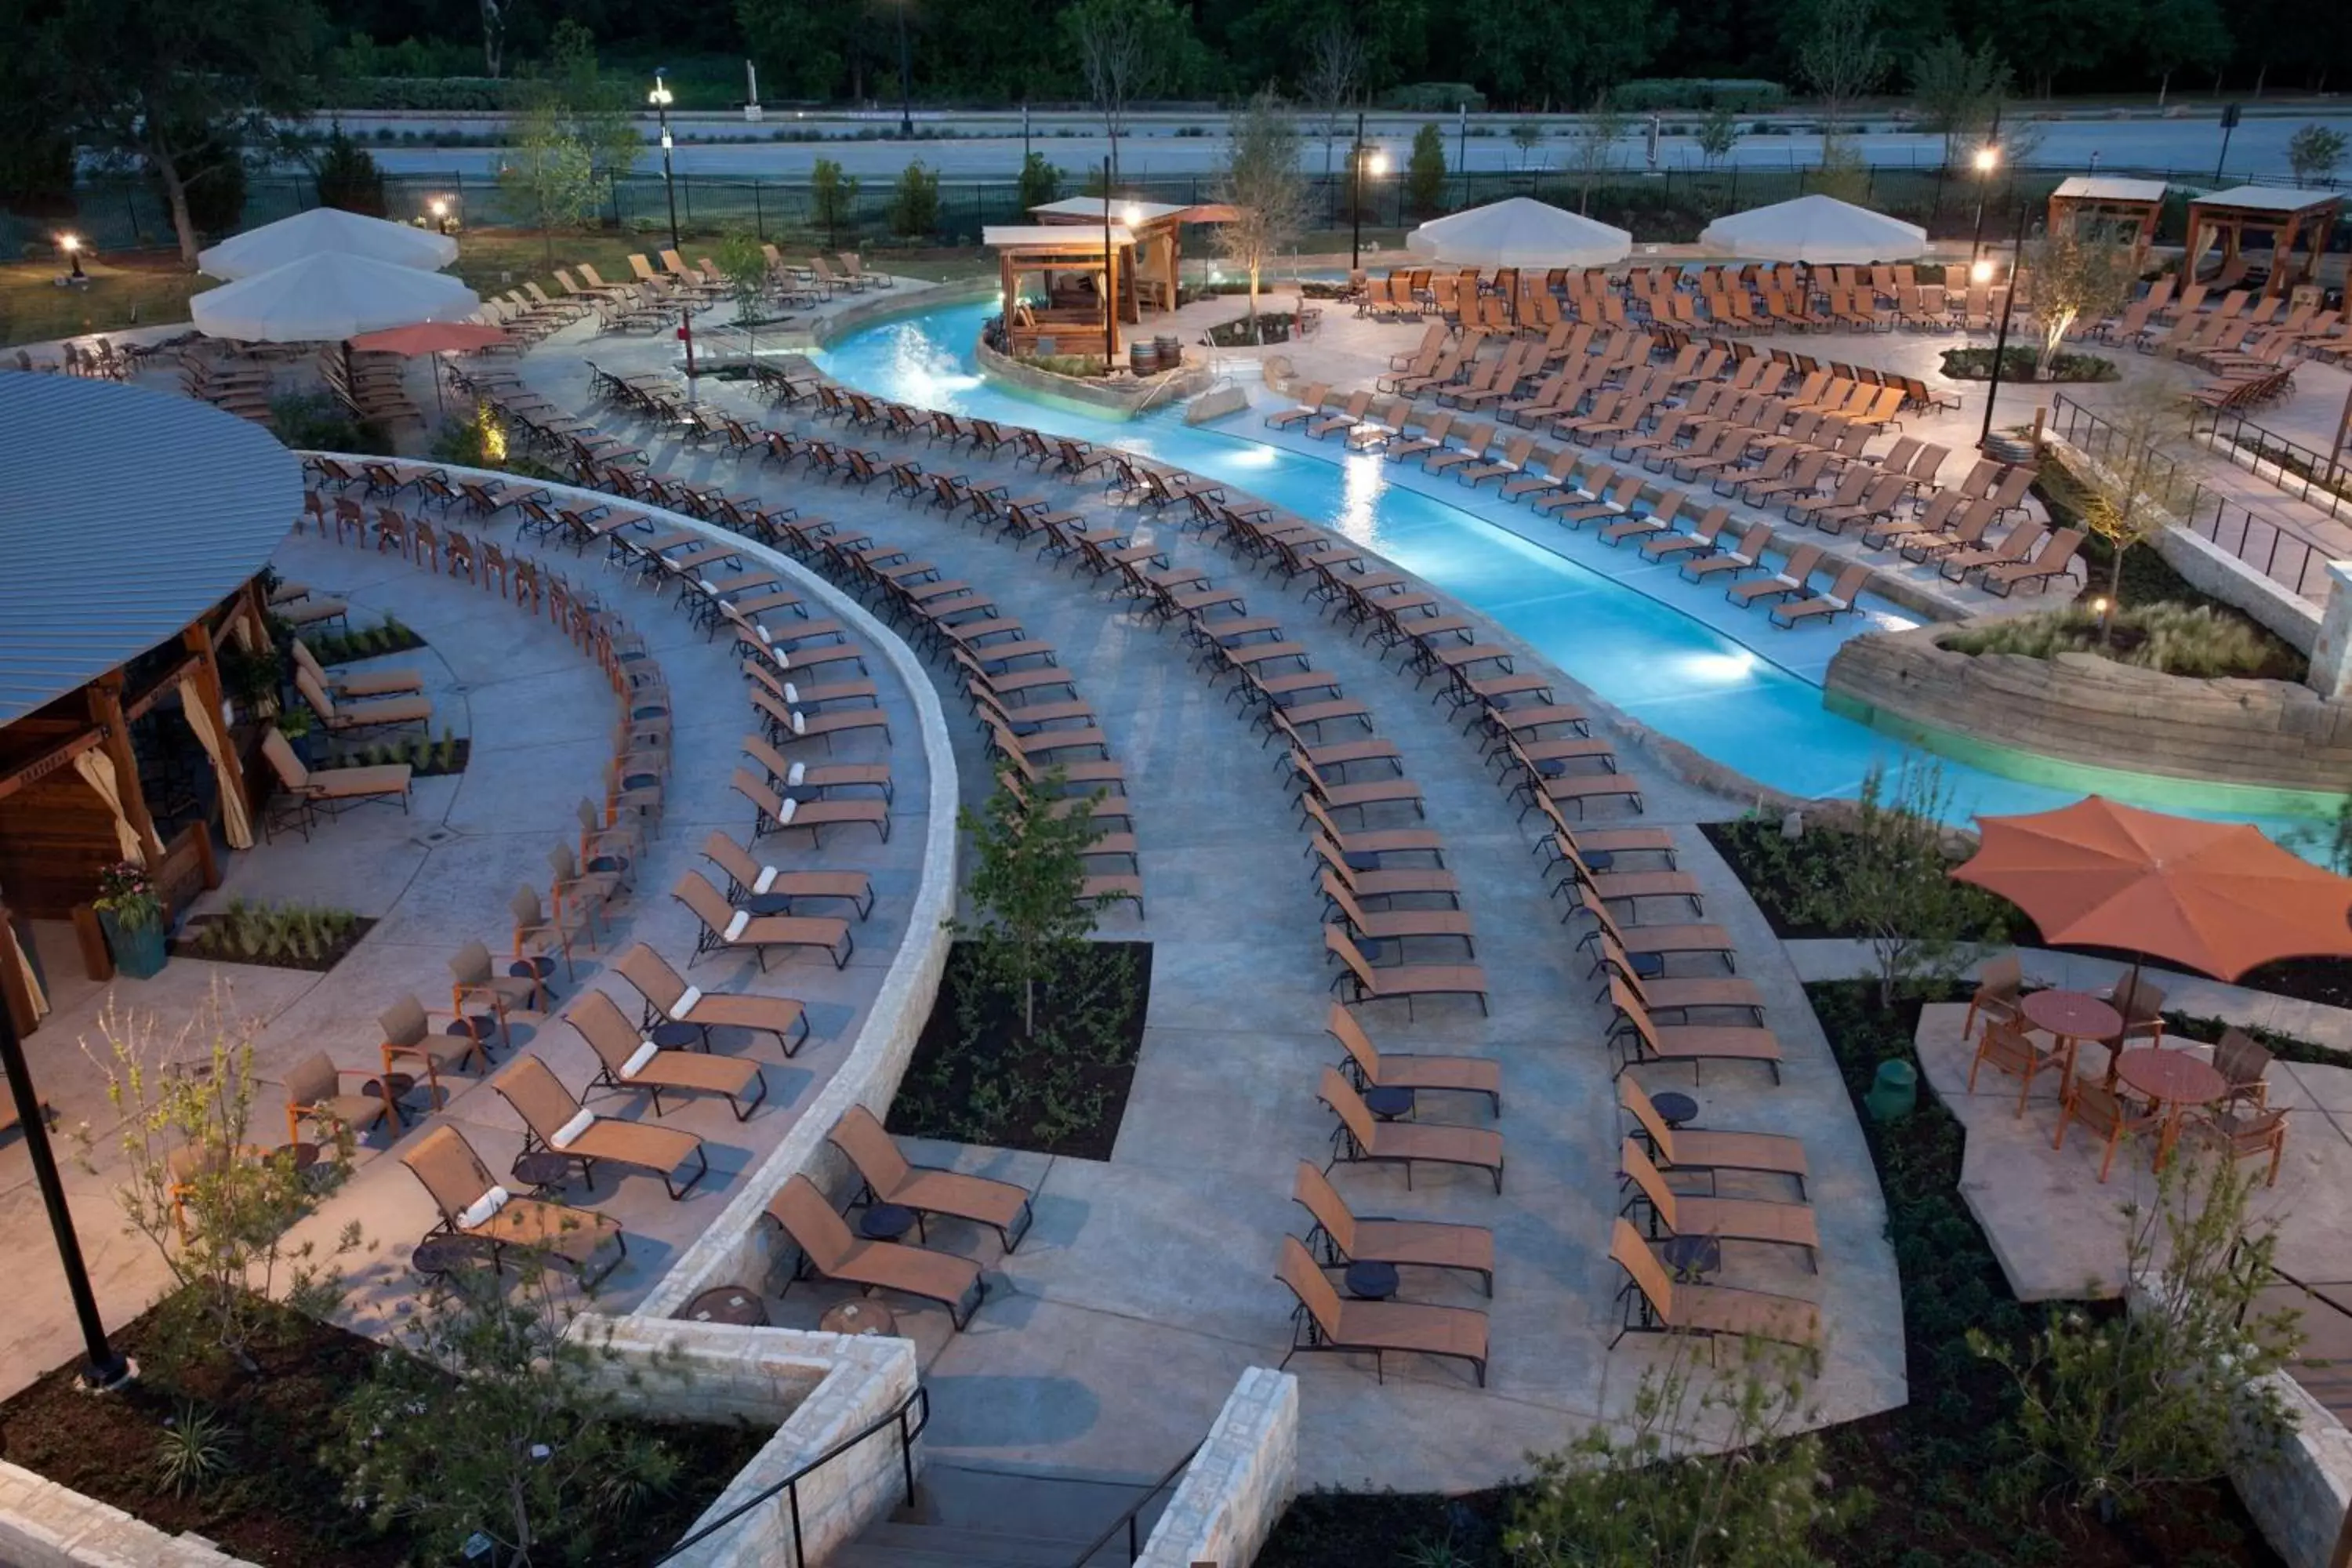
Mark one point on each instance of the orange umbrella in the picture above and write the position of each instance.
(2217, 897)
(428, 338)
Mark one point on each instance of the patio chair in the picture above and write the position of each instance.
(1656, 1304)
(1361, 1137)
(1372, 1068)
(1698, 1149)
(331, 789)
(830, 1251)
(2000, 984)
(473, 980)
(787, 814)
(473, 1206)
(1367, 984)
(2053, 562)
(556, 1122)
(749, 878)
(409, 1036)
(315, 1093)
(1637, 1039)
(669, 999)
(1341, 1237)
(1824, 604)
(2104, 1112)
(2246, 1065)
(628, 1059)
(2141, 1003)
(727, 927)
(889, 1178)
(2010, 1050)
(383, 713)
(1308, 406)
(2237, 1134)
(361, 684)
(1726, 1219)
(1323, 1321)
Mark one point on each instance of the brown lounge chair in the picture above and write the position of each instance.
(363, 684)
(1310, 406)
(787, 814)
(1637, 1039)
(1322, 1321)
(555, 1121)
(1361, 1137)
(669, 1001)
(383, 713)
(331, 789)
(1407, 1243)
(626, 1059)
(1371, 1069)
(1726, 1219)
(831, 1252)
(750, 879)
(928, 1189)
(1366, 983)
(724, 926)
(1836, 600)
(1695, 1148)
(1654, 1304)
(471, 1206)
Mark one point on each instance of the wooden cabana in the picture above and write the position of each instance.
(1073, 271)
(133, 528)
(2112, 211)
(2286, 214)
(1157, 246)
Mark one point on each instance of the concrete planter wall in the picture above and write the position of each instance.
(1233, 1492)
(1118, 399)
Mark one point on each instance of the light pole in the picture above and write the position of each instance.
(1986, 160)
(1356, 157)
(1982, 272)
(72, 245)
(661, 98)
(104, 1366)
(906, 113)
(440, 208)
(1111, 329)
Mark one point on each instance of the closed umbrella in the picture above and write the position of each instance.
(1819, 229)
(431, 338)
(322, 231)
(1520, 232)
(329, 297)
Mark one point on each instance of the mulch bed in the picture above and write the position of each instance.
(995, 1085)
(280, 1505)
(189, 944)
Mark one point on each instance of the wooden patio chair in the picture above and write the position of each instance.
(2104, 1112)
(830, 1251)
(556, 1122)
(471, 1204)
(2010, 1050)
(1322, 1321)
(889, 1178)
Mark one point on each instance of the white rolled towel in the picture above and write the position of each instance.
(765, 639)
(793, 775)
(684, 1005)
(735, 926)
(767, 880)
(791, 695)
(784, 812)
(638, 1058)
(799, 722)
(563, 1136)
(480, 1211)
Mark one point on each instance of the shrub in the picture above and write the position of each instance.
(243, 931)
(915, 202)
(348, 177)
(2020, 363)
(1434, 97)
(1739, 95)
(2196, 641)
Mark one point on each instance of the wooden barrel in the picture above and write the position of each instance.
(1143, 358)
(1171, 350)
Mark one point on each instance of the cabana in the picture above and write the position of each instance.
(133, 528)
(2093, 207)
(2284, 213)
(1818, 229)
(1074, 273)
(1155, 243)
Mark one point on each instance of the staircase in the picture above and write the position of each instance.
(982, 1519)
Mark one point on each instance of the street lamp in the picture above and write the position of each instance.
(105, 1367)
(1358, 157)
(906, 113)
(1982, 272)
(661, 99)
(1987, 161)
(72, 245)
(440, 208)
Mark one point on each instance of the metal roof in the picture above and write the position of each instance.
(2269, 198)
(2102, 188)
(124, 515)
(1072, 237)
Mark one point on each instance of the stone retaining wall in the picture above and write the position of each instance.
(1117, 399)
(44, 1525)
(2299, 1494)
(1236, 1487)
(2080, 707)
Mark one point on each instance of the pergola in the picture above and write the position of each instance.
(1059, 253)
(1157, 228)
(133, 528)
(2286, 214)
(2092, 206)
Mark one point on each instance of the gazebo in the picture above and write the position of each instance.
(2096, 207)
(1156, 231)
(2284, 213)
(133, 528)
(1078, 266)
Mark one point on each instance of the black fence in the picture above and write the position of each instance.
(2315, 477)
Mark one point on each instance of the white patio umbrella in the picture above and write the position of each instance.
(327, 297)
(321, 230)
(1521, 232)
(1816, 228)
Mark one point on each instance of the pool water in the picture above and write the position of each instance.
(1672, 655)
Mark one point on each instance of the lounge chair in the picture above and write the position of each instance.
(1654, 1304)
(1361, 1137)
(1726, 1219)
(1695, 1148)
(473, 1206)
(829, 1251)
(725, 926)
(1827, 604)
(1323, 1321)
(1789, 580)
(1367, 984)
(2050, 561)
(928, 1189)
(1372, 1068)
(788, 813)
(1308, 406)
(331, 789)
(357, 717)
(362, 685)
(1341, 1237)
(1744, 555)
(628, 1059)
(1637, 1039)
(771, 890)
(1649, 946)
(669, 999)
(556, 1122)
(1348, 415)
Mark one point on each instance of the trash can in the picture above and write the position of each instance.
(1896, 1093)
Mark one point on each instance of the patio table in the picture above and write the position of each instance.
(2173, 1081)
(2074, 1017)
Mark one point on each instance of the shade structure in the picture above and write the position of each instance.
(327, 297)
(431, 338)
(2217, 897)
(1815, 228)
(1521, 232)
(323, 231)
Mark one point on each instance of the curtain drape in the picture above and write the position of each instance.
(15, 954)
(96, 770)
(235, 821)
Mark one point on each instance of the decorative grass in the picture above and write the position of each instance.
(2191, 640)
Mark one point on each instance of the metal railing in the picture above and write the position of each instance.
(2274, 548)
(1128, 1519)
(918, 1404)
(2308, 475)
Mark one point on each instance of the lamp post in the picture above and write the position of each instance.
(1987, 161)
(661, 98)
(72, 245)
(440, 208)
(1982, 272)
(1358, 156)
(1110, 328)
(104, 1366)
(906, 113)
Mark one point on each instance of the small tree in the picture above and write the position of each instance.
(1750, 1493)
(742, 260)
(1330, 77)
(2176, 1389)
(1842, 173)
(915, 202)
(550, 173)
(599, 113)
(1424, 172)
(833, 199)
(2181, 33)
(1888, 879)
(2314, 153)
(1040, 182)
(347, 175)
(2124, 496)
(1028, 887)
(1842, 56)
(1527, 136)
(1718, 133)
(1954, 91)
(1262, 186)
(2074, 279)
(1592, 149)
(1127, 50)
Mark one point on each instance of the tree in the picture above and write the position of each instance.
(2175, 1390)
(1262, 186)
(1527, 136)
(2074, 278)
(833, 199)
(348, 177)
(2314, 153)
(1955, 91)
(1424, 172)
(494, 35)
(915, 202)
(2176, 33)
(742, 260)
(1718, 133)
(1749, 1493)
(1842, 57)
(1028, 887)
(2124, 495)
(1127, 50)
(1040, 182)
(155, 82)
(798, 44)
(550, 172)
(1592, 148)
(599, 113)
(1842, 173)
(1331, 76)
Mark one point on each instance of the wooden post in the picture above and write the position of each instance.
(2041, 419)
(231, 772)
(114, 732)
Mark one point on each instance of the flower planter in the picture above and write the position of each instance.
(138, 953)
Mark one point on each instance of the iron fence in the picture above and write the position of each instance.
(2275, 549)
(2308, 475)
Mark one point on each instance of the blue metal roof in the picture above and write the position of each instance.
(124, 515)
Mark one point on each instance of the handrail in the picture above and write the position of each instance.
(790, 1485)
(2330, 478)
(1134, 1510)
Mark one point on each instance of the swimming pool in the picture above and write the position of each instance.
(1670, 654)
